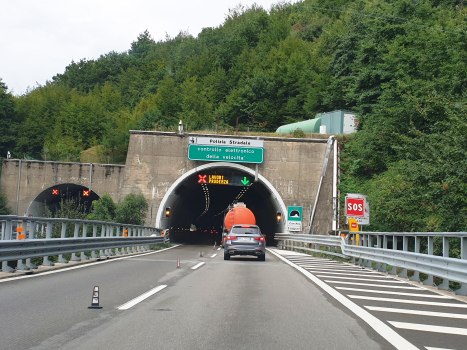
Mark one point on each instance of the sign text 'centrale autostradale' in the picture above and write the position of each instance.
(217, 149)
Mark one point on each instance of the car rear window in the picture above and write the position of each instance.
(245, 230)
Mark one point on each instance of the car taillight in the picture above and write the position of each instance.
(231, 238)
(259, 239)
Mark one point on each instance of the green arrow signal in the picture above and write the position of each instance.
(245, 181)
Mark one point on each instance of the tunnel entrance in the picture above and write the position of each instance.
(51, 198)
(198, 201)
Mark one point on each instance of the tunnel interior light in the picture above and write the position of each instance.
(167, 212)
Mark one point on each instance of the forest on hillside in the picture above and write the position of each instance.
(401, 65)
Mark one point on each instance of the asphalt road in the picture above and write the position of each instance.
(236, 304)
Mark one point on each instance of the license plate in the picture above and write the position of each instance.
(245, 238)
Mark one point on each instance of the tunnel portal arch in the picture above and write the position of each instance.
(51, 197)
(273, 205)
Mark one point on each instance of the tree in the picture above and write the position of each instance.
(103, 209)
(8, 121)
(132, 210)
(4, 209)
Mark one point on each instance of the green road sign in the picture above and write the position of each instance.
(294, 213)
(225, 154)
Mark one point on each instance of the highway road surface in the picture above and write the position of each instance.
(291, 301)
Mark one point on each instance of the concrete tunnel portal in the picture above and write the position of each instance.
(200, 198)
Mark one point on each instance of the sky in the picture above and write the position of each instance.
(38, 39)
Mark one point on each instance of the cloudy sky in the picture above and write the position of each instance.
(38, 39)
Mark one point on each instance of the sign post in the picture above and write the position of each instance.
(294, 218)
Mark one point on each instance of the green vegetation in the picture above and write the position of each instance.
(131, 210)
(400, 64)
(4, 208)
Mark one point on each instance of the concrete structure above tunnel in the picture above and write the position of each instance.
(157, 163)
(157, 166)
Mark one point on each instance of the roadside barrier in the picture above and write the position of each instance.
(397, 249)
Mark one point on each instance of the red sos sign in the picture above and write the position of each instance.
(355, 207)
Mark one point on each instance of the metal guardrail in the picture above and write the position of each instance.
(391, 248)
(32, 237)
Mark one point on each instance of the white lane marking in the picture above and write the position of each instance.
(139, 299)
(344, 270)
(197, 265)
(326, 266)
(417, 312)
(213, 255)
(429, 328)
(219, 248)
(435, 296)
(379, 326)
(381, 279)
(373, 285)
(351, 273)
(430, 348)
(406, 301)
(309, 259)
(84, 265)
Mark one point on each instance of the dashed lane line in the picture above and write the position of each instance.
(198, 265)
(373, 285)
(429, 328)
(435, 296)
(213, 255)
(379, 326)
(407, 301)
(417, 312)
(139, 299)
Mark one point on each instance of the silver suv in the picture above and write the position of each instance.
(245, 240)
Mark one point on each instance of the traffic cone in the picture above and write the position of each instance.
(178, 263)
(213, 248)
(201, 254)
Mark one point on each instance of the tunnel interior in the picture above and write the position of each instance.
(198, 205)
(51, 199)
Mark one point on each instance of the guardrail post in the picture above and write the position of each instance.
(48, 235)
(31, 231)
(117, 250)
(405, 247)
(445, 284)
(102, 254)
(429, 280)
(94, 234)
(20, 266)
(394, 247)
(61, 259)
(463, 289)
(85, 234)
(383, 267)
(76, 234)
(368, 241)
(133, 234)
(6, 233)
(110, 230)
(138, 248)
(416, 274)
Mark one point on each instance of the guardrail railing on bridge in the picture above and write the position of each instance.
(32, 237)
(397, 249)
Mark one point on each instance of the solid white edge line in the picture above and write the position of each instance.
(139, 299)
(435, 296)
(84, 265)
(409, 301)
(213, 255)
(379, 326)
(350, 273)
(417, 312)
(429, 328)
(197, 265)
